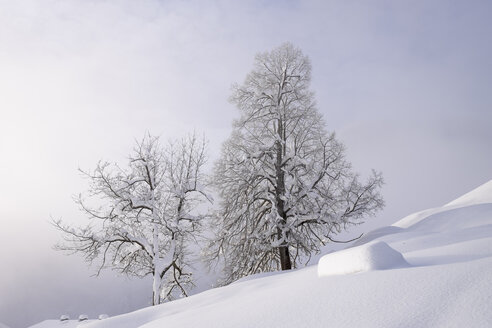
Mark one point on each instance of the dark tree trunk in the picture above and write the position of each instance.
(285, 258)
(285, 262)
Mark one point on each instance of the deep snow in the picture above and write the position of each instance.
(375, 255)
(443, 279)
(61, 324)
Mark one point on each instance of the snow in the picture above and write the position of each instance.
(372, 256)
(2, 325)
(480, 195)
(83, 317)
(64, 317)
(430, 269)
(64, 324)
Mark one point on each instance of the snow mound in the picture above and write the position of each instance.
(368, 257)
(480, 195)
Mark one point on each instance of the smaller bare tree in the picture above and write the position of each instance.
(147, 218)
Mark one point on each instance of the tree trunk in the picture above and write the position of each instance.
(156, 299)
(285, 262)
(156, 287)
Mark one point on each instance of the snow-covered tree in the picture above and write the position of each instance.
(145, 217)
(284, 182)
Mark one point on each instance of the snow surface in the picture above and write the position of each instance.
(480, 195)
(2, 325)
(60, 324)
(375, 255)
(445, 282)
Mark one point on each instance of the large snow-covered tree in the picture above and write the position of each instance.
(284, 182)
(145, 216)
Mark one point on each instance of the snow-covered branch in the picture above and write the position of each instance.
(147, 214)
(284, 183)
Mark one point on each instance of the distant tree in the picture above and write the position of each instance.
(146, 220)
(284, 182)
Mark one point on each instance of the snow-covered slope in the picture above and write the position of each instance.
(2, 325)
(480, 195)
(61, 324)
(438, 274)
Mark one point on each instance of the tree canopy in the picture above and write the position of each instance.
(285, 184)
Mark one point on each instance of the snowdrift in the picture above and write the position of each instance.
(372, 256)
(430, 269)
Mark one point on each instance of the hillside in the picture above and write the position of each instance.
(430, 269)
(58, 323)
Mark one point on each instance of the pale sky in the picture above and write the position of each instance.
(406, 85)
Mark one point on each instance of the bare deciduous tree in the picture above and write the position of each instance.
(147, 219)
(285, 184)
